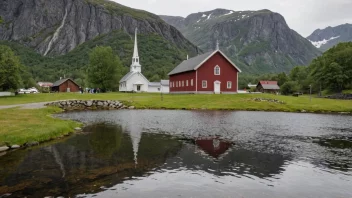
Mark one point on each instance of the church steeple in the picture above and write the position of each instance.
(135, 67)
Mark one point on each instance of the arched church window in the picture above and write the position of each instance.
(217, 70)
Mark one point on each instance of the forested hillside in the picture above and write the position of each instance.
(329, 73)
(155, 65)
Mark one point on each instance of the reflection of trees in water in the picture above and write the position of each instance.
(337, 153)
(86, 165)
(103, 157)
(105, 139)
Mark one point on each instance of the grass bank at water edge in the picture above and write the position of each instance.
(19, 126)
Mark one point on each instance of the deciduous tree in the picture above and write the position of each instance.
(10, 65)
(104, 70)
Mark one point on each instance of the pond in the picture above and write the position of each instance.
(161, 153)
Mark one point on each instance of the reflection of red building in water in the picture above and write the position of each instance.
(213, 146)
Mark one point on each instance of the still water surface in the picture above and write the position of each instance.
(152, 153)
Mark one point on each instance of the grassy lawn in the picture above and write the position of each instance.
(213, 102)
(21, 125)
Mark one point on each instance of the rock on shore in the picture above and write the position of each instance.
(88, 104)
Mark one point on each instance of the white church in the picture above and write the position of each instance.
(135, 81)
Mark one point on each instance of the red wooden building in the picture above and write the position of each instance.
(65, 85)
(211, 72)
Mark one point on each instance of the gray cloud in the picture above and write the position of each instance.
(304, 16)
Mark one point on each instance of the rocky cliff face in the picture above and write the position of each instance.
(257, 41)
(55, 27)
(331, 36)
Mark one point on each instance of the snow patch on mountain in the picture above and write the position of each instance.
(231, 12)
(204, 15)
(318, 44)
(209, 16)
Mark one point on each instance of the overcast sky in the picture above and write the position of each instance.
(304, 16)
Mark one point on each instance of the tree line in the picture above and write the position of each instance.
(330, 73)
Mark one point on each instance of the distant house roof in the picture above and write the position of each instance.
(268, 82)
(271, 85)
(45, 84)
(154, 84)
(165, 82)
(195, 62)
(59, 82)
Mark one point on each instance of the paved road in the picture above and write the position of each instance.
(37, 105)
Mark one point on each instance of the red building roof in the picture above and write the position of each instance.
(268, 82)
(269, 85)
(45, 84)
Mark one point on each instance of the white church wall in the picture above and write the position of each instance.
(122, 88)
(137, 78)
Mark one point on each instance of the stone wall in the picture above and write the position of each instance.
(89, 105)
(340, 96)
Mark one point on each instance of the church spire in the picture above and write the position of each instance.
(135, 51)
(217, 45)
(135, 67)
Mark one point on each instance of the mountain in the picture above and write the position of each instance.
(57, 35)
(257, 41)
(331, 36)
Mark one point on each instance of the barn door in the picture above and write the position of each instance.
(217, 87)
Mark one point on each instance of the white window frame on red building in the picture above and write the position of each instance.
(206, 84)
(229, 83)
(217, 70)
